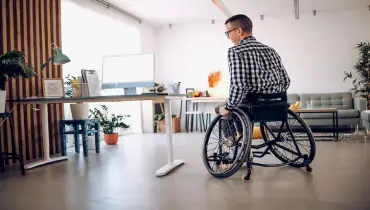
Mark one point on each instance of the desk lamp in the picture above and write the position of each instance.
(58, 58)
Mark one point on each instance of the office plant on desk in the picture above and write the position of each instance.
(72, 88)
(12, 64)
(109, 123)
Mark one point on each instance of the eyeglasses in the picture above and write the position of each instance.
(228, 32)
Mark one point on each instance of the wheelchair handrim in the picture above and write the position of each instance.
(239, 160)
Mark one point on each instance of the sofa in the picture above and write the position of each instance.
(349, 108)
(365, 116)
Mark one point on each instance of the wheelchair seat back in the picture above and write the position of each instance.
(267, 107)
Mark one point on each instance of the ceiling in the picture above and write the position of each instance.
(163, 12)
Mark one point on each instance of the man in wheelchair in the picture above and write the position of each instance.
(256, 70)
(258, 85)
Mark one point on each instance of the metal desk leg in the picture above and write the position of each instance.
(334, 126)
(45, 134)
(171, 164)
(2, 163)
(336, 122)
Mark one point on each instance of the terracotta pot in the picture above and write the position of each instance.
(176, 125)
(111, 139)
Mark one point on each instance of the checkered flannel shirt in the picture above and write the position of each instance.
(254, 67)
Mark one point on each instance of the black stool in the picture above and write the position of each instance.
(13, 155)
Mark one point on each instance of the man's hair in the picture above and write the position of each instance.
(241, 21)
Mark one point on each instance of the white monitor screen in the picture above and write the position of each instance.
(128, 68)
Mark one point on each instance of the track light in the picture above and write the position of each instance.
(314, 12)
(296, 9)
(262, 17)
(111, 6)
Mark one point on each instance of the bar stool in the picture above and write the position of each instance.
(208, 119)
(84, 127)
(13, 155)
(190, 114)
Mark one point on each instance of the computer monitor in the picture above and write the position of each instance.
(130, 88)
(129, 71)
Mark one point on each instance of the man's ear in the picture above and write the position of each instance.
(240, 31)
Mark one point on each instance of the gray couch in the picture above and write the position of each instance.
(349, 108)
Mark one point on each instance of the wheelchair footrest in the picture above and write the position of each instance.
(269, 165)
(260, 152)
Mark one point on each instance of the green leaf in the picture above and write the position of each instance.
(12, 64)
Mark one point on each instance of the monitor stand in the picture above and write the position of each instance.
(130, 91)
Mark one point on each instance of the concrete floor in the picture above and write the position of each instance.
(122, 177)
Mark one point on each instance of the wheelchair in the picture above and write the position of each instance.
(228, 140)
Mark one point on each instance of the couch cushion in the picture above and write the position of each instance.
(365, 115)
(341, 100)
(342, 113)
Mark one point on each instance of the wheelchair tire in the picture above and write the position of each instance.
(285, 158)
(245, 142)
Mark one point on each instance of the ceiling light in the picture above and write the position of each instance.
(296, 9)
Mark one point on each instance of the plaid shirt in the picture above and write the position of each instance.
(254, 67)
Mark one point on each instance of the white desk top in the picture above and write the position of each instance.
(112, 98)
(205, 99)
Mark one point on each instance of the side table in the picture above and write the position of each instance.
(13, 155)
(333, 111)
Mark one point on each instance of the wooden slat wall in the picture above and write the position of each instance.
(31, 26)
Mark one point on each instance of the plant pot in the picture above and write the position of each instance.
(111, 139)
(176, 125)
(2, 100)
(214, 92)
(80, 111)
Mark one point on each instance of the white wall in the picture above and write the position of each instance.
(316, 50)
(89, 32)
(148, 38)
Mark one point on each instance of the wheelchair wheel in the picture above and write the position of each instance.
(226, 144)
(291, 140)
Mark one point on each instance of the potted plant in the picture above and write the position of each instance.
(72, 88)
(12, 64)
(159, 122)
(109, 124)
(158, 88)
(361, 84)
(214, 79)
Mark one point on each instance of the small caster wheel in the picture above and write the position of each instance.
(246, 178)
(309, 169)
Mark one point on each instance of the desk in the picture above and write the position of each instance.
(171, 164)
(206, 99)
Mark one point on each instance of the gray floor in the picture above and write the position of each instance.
(122, 177)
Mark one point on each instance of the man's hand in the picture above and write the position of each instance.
(223, 111)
